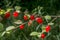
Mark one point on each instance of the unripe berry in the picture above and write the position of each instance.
(15, 14)
(48, 28)
(39, 20)
(21, 26)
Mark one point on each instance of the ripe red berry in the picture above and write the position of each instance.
(39, 20)
(32, 17)
(21, 26)
(7, 15)
(43, 35)
(15, 14)
(48, 28)
(25, 17)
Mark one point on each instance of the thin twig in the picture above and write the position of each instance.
(13, 3)
(25, 36)
(54, 19)
(55, 16)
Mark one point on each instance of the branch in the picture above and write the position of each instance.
(36, 16)
(55, 16)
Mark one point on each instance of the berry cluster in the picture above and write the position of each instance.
(39, 20)
(15, 14)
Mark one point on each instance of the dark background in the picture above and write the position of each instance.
(49, 5)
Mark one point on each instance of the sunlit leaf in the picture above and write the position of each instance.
(2, 12)
(18, 22)
(10, 28)
(9, 9)
(17, 7)
(3, 33)
(43, 27)
(47, 17)
(50, 23)
(34, 33)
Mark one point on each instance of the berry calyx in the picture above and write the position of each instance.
(32, 17)
(48, 28)
(39, 20)
(25, 17)
(21, 26)
(15, 14)
(7, 15)
(43, 35)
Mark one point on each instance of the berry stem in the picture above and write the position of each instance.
(25, 36)
(42, 39)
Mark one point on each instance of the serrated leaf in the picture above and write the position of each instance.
(10, 28)
(18, 22)
(34, 33)
(1, 26)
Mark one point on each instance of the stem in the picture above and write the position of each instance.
(25, 36)
(54, 19)
(58, 37)
(42, 39)
(37, 27)
(55, 16)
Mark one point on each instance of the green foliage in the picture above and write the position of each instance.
(35, 7)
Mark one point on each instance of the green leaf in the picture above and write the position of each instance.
(34, 33)
(17, 7)
(1, 26)
(9, 9)
(3, 33)
(18, 22)
(47, 17)
(50, 23)
(39, 35)
(10, 28)
(2, 12)
(43, 27)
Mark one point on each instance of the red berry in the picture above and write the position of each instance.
(43, 36)
(15, 14)
(22, 26)
(39, 20)
(48, 28)
(25, 17)
(32, 17)
(7, 15)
